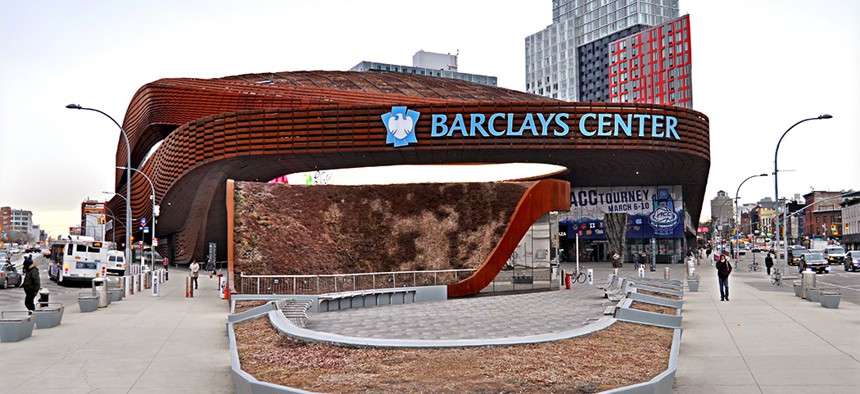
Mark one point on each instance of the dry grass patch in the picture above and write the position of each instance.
(656, 294)
(644, 306)
(621, 355)
(242, 306)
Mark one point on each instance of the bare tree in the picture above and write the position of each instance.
(616, 233)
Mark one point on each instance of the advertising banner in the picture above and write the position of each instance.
(652, 211)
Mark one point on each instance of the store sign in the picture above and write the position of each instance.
(401, 122)
(653, 211)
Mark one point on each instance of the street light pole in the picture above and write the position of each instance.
(127, 177)
(152, 187)
(737, 212)
(776, 188)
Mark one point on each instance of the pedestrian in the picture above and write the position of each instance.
(723, 271)
(195, 272)
(166, 263)
(691, 264)
(616, 260)
(768, 262)
(708, 255)
(32, 283)
(636, 261)
(210, 266)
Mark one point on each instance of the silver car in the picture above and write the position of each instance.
(9, 275)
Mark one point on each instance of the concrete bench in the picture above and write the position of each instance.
(610, 310)
(620, 293)
(611, 281)
(16, 325)
(365, 298)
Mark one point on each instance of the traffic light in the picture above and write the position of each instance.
(131, 238)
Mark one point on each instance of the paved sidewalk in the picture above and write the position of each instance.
(765, 340)
(142, 344)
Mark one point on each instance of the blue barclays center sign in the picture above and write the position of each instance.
(401, 122)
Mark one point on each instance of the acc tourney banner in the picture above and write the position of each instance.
(652, 211)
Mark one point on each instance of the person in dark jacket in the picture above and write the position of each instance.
(724, 269)
(32, 283)
(768, 262)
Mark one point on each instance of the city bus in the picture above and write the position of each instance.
(76, 258)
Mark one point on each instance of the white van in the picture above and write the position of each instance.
(115, 262)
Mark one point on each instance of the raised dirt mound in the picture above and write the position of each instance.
(329, 229)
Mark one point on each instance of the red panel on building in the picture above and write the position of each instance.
(653, 66)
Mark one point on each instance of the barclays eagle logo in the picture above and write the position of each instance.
(400, 123)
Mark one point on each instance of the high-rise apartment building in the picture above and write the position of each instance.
(653, 66)
(569, 59)
(722, 210)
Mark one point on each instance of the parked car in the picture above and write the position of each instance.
(852, 260)
(9, 275)
(834, 254)
(814, 262)
(794, 254)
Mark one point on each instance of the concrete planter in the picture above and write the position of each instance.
(830, 300)
(50, 316)
(798, 288)
(16, 325)
(88, 303)
(115, 295)
(813, 295)
(693, 285)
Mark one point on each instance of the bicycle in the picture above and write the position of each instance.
(776, 277)
(753, 266)
(578, 276)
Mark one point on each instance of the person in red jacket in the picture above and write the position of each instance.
(724, 269)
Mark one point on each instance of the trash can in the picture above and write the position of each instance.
(44, 294)
(807, 282)
(100, 291)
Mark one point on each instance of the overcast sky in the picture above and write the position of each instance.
(758, 67)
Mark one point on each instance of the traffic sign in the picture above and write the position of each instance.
(142, 222)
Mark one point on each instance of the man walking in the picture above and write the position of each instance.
(723, 271)
(768, 262)
(32, 283)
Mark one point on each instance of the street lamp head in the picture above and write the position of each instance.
(762, 174)
(121, 167)
(78, 106)
(825, 116)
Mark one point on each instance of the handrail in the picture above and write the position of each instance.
(329, 283)
(356, 274)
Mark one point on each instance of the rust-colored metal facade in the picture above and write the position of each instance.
(259, 126)
(543, 197)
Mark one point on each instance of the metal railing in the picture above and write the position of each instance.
(333, 283)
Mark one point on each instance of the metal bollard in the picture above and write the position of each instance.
(189, 287)
(666, 273)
